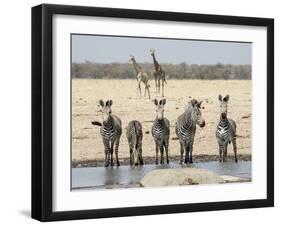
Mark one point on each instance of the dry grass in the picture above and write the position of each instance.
(86, 140)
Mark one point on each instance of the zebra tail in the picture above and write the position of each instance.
(96, 123)
(137, 138)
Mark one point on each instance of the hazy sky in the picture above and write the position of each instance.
(107, 49)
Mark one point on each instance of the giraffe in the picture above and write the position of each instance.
(141, 76)
(159, 74)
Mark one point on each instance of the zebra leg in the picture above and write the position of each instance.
(235, 149)
(224, 153)
(162, 153)
(131, 150)
(190, 152)
(186, 160)
(106, 152)
(181, 150)
(116, 151)
(157, 149)
(220, 152)
(111, 153)
(167, 151)
(140, 156)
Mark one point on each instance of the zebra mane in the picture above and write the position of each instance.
(188, 112)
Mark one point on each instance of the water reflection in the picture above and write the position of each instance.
(129, 176)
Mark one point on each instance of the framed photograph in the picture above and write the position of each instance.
(146, 112)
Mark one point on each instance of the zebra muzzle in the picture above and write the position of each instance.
(202, 124)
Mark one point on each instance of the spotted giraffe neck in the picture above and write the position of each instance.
(136, 66)
(155, 62)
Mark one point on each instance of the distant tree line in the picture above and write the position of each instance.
(173, 71)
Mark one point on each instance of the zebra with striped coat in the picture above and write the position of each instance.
(186, 128)
(226, 131)
(111, 130)
(134, 136)
(161, 131)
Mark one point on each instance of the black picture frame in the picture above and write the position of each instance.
(42, 111)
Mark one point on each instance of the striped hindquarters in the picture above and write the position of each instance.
(134, 133)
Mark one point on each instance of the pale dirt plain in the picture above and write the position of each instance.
(87, 146)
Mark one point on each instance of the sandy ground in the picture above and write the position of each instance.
(87, 144)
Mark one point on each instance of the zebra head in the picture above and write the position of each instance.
(223, 105)
(160, 108)
(105, 109)
(196, 115)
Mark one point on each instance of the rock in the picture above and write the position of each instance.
(182, 176)
(232, 179)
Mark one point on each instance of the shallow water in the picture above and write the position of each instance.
(127, 176)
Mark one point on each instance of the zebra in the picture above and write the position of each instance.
(111, 130)
(186, 128)
(134, 136)
(226, 131)
(161, 131)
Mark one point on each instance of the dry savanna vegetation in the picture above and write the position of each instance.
(87, 146)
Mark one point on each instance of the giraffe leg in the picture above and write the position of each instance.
(139, 85)
(158, 86)
(162, 87)
(155, 79)
(147, 88)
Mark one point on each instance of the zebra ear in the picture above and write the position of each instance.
(226, 98)
(156, 102)
(193, 102)
(199, 104)
(109, 103)
(101, 103)
(162, 102)
(220, 98)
